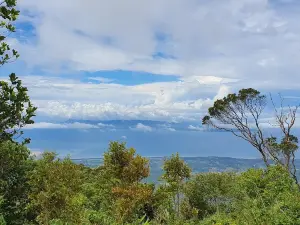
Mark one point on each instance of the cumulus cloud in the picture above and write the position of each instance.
(196, 128)
(67, 98)
(223, 91)
(166, 127)
(142, 127)
(170, 129)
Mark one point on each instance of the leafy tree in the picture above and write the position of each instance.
(176, 171)
(130, 201)
(266, 197)
(209, 192)
(97, 187)
(124, 165)
(56, 190)
(240, 114)
(16, 110)
(14, 166)
(235, 112)
(126, 170)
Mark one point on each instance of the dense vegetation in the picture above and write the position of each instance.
(57, 191)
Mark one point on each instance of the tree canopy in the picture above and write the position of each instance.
(241, 114)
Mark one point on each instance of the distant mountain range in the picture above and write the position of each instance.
(198, 164)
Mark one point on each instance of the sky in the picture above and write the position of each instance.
(155, 64)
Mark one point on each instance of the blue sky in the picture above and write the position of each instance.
(157, 64)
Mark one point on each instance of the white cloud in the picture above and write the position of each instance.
(64, 98)
(170, 129)
(223, 91)
(45, 125)
(142, 127)
(256, 44)
(71, 99)
(197, 128)
(166, 127)
(36, 153)
(105, 125)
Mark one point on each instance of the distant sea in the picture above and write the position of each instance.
(198, 164)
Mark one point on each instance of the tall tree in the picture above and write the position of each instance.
(176, 171)
(241, 113)
(124, 164)
(126, 170)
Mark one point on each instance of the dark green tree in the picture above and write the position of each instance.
(16, 110)
(14, 189)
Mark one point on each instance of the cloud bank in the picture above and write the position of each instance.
(210, 48)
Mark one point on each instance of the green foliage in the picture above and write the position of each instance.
(176, 171)
(219, 219)
(59, 192)
(97, 187)
(210, 192)
(240, 114)
(222, 108)
(124, 165)
(16, 109)
(266, 197)
(2, 220)
(126, 170)
(14, 165)
(8, 15)
(56, 190)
